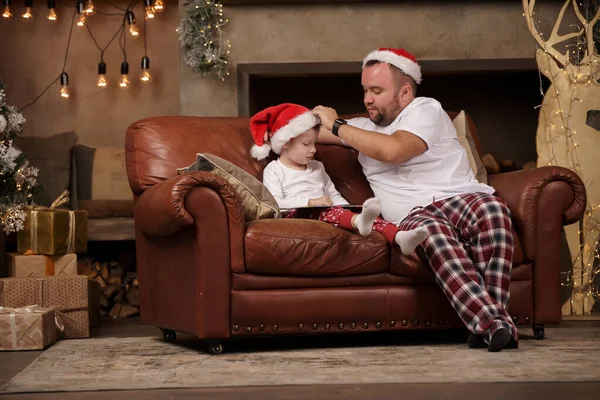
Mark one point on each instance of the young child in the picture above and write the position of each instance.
(295, 179)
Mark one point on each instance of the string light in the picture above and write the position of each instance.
(133, 29)
(89, 8)
(6, 13)
(149, 8)
(28, 5)
(102, 82)
(64, 86)
(145, 77)
(81, 11)
(52, 10)
(124, 81)
(159, 5)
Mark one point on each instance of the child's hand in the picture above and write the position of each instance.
(324, 201)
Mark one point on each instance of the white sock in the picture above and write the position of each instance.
(370, 211)
(409, 240)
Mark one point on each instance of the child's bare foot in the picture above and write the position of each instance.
(409, 240)
(364, 221)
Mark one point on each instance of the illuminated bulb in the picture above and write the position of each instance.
(145, 77)
(81, 21)
(133, 29)
(102, 75)
(52, 15)
(89, 8)
(7, 14)
(27, 14)
(150, 12)
(124, 81)
(64, 85)
(159, 5)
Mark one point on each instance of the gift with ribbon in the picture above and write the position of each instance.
(53, 231)
(67, 295)
(31, 265)
(27, 328)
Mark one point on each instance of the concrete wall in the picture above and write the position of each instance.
(32, 54)
(338, 32)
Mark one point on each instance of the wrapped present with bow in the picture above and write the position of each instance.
(53, 231)
(67, 295)
(27, 328)
(31, 265)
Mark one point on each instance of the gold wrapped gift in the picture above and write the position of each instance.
(52, 232)
(27, 328)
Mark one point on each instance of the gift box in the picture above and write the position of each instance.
(53, 232)
(67, 295)
(39, 266)
(27, 328)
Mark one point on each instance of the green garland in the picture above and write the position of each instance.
(201, 38)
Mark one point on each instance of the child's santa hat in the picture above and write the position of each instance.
(279, 124)
(399, 58)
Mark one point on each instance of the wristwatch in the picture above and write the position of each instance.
(336, 125)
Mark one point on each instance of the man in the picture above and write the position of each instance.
(411, 156)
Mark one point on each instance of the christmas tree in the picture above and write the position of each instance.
(17, 177)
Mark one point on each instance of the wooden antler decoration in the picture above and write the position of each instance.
(569, 135)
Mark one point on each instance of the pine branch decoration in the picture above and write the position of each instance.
(201, 37)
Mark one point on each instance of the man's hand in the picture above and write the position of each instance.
(327, 115)
(324, 201)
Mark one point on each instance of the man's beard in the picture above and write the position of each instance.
(382, 118)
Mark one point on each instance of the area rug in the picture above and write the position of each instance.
(150, 363)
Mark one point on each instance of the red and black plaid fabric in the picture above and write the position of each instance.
(470, 250)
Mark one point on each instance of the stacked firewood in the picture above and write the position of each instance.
(494, 166)
(119, 295)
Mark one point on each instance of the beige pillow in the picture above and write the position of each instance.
(258, 202)
(466, 140)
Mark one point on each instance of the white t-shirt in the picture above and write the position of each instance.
(440, 172)
(293, 188)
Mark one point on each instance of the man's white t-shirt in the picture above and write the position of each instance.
(293, 188)
(440, 172)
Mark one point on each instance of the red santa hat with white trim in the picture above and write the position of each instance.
(273, 127)
(399, 58)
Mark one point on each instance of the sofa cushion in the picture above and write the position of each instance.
(303, 247)
(256, 199)
(52, 156)
(101, 185)
(466, 140)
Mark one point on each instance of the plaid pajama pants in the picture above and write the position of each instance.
(470, 250)
(339, 216)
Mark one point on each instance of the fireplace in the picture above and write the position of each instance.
(500, 95)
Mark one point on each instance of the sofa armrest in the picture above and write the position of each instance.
(162, 209)
(523, 191)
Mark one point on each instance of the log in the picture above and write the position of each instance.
(133, 296)
(508, 165)
(99, 279)
(530, 165)
(104, 272)
(492, 166)
(110, 291)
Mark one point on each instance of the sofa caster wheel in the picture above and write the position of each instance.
(169, 335)
(215, 347)
(538, 332)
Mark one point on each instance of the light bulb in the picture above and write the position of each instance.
(102, 81)
(27, 14)
(159, 5)
(89, 8)
(133, 29)
(52, 15)
(145, 76)
(102, 74)
(7, 14)
(64, 85)
(124, 81)
(150, 12)
(81, 20)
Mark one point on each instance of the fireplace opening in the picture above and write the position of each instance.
(501, 96)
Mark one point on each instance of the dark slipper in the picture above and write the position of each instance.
(476, 342)
(499, 340)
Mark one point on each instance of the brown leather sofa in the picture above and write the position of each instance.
(204, 271)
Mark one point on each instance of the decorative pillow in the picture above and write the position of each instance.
(258, 202)
(466, 140)
(52, 156)
(101, 186)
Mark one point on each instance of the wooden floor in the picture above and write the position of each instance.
(13, 362)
